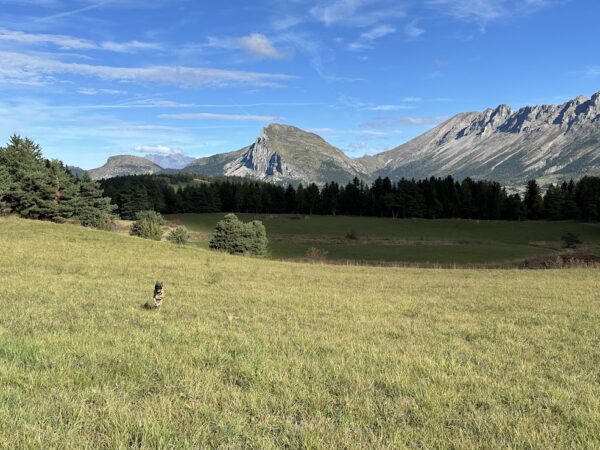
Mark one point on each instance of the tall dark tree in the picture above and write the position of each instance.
(93, 208)
(534, 202)
(133, 199)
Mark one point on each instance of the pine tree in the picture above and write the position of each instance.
(239, 238)
(290, 199)
(5, 183)
(66, 190)
(133, 199)
(533, 201)
(31, 192)
(93, 209)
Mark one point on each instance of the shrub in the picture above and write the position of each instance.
(146, 229)
(152, 216)
(570, 240)
(316, 254)
(98, 220)
(239, 238)
(352, 235)
(179, 236)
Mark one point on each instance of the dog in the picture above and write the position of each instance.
(159, 294)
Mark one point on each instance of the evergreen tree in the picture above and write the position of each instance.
(554, 203)
(5, 183)
(132, 200)
(312, 197)
(239, 238)
(31, 192)
(66, 190)
(290, 199)
(534, 203)
(93, 208)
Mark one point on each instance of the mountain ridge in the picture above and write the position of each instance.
(120, 165)
(547, 142)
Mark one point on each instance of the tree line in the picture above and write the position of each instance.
(37, 188)
(431, 198)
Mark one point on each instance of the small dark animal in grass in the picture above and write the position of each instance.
(159, 295)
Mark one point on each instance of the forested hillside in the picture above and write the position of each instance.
(36, 188)
(431, 198)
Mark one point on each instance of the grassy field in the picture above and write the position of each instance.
(263, 354)
(446, 242)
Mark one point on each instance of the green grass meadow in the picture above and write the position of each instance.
(265, 354)
(410, 241)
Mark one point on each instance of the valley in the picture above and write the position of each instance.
(418, 242)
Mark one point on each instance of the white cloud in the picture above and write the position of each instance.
(61, 41)
(470, 10)
(362, 106)
(413, 31)
(75, 43)
(259, 46)
(483, 11)
(384, 122)
(72, 12)
(28, 69)
(360, 13)
(157, 150)
(377, 32)
(130, 47)
(94, 91)
(366, 39)
(220, 117)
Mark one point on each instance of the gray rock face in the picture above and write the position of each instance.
(548, 142)
(124, 165)
(284, 153)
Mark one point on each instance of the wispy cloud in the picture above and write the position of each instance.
(256, 45)
(28, 69)
(97, 91)
(72, 12)
(384, 122)
(320, 57)
(593, 72)
(351, 102)
(360, 13)
(484, 11)
(259, 46)
(412, 31)
(367, 38)
(170, 104)
(470, 10)
(75, 43)
(157, 150)
(219, 117)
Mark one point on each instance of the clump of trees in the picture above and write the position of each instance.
(239, 238)
(36, 188)
(148, 225)
(431, 198)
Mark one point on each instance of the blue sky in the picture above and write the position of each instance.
(88, 79)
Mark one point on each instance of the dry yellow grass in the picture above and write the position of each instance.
(253, 353)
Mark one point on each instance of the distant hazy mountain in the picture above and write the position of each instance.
(76, 171)
(549, 143)
(124, 165)
(283, 153)
(170, 161)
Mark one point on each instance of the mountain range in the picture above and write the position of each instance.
(547, 142)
